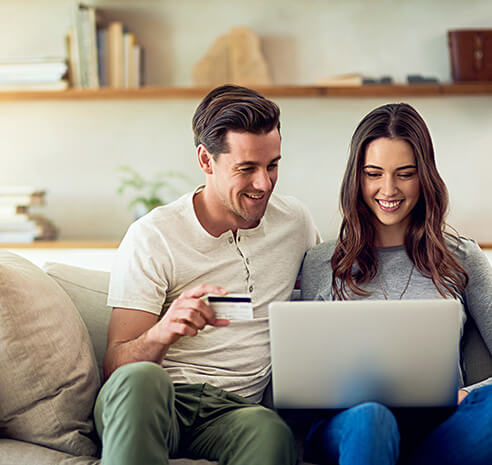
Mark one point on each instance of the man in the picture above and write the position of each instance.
(231, 235)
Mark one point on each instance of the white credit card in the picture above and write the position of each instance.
(230, 306)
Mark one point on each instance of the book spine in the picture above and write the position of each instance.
(102, 56)
(115, 52)
(92, 48)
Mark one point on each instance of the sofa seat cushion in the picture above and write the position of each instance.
(49, 374)
(13, 452)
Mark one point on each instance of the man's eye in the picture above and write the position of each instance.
(273, 166)
(245, 170)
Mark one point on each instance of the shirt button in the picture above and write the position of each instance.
(247, 261)
(231, 240)
(238, 238)
(250, 288)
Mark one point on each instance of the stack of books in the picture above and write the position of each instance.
(102, 55)
(39, 73)
(17, 224)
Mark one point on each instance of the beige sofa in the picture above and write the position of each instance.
(52, 340)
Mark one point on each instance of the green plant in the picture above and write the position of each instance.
(160, 190)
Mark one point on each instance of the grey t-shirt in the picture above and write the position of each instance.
(394, 268)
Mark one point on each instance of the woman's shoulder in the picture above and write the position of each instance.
(321, 253)
(469, 254)
(463, 248)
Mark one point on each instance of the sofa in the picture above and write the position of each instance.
(53, 325)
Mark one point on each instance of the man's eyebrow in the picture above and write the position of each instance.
(252, 163)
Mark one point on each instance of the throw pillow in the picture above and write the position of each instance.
(88, 290)
(48, 373)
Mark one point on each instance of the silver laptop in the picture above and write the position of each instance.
(337, 354)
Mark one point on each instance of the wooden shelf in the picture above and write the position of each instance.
(65, 244)
(87, 244)
(371, 90)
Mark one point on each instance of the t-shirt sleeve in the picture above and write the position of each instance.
(316, 273)
(140, 271)
(312, 235)
(478, 293)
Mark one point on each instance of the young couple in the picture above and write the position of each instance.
(181, 382)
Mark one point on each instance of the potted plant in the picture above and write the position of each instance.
(160, 190)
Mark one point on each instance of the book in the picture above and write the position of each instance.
(9, 211)
(73, 59)
(128, 60)
(138, 66)
(92, 58)
(28, 70)
(34, 86)
(23, 200)
(349, 80)
(102, 56)
(17, 236)
(21, 190)
(115, 54)
(84, 49)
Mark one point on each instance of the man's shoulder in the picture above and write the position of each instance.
(167, 215)
(285, 205)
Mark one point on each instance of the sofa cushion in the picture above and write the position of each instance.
(49, 374)
(88, 290)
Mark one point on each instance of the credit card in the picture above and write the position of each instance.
(230, 306)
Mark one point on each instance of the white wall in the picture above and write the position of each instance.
(73, 148)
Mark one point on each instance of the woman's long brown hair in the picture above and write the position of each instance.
(425, 240)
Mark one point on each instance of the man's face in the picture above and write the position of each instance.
(243, 179)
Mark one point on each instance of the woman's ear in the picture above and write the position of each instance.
(204, 159)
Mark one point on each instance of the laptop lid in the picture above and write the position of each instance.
(335, 354)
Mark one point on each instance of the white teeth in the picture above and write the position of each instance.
(391, 204)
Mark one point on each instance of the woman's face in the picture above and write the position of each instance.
(390, 188)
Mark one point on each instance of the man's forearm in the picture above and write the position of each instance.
(141, 349)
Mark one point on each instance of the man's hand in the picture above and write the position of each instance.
(187, 315)
(462, 394)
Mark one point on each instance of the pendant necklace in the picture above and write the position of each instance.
(404, 289)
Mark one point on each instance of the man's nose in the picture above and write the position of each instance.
(262, 181)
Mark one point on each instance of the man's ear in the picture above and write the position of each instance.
(204, 159)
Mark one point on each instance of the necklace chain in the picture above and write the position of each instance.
(404, 289)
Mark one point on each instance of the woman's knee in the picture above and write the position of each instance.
(375, 416)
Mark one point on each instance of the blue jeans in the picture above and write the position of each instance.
(369, 434)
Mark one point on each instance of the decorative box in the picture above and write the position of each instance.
(471, 54)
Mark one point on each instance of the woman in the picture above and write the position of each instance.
(393, 245)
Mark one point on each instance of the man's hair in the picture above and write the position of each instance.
(426, 239)
(232, 108)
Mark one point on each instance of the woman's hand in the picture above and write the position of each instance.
(461, 395)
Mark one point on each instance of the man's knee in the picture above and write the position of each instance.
(265, 425)
(138, 384)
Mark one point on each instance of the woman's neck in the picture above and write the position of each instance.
(390, 235)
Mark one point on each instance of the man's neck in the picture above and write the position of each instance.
(213, 220)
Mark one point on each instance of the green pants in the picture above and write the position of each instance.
(143, 419)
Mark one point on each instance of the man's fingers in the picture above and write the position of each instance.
(222, 322)
(203, 289)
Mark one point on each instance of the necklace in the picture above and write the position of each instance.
(404, 289)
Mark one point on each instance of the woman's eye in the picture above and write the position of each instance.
(406, 175)
(372, 174)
